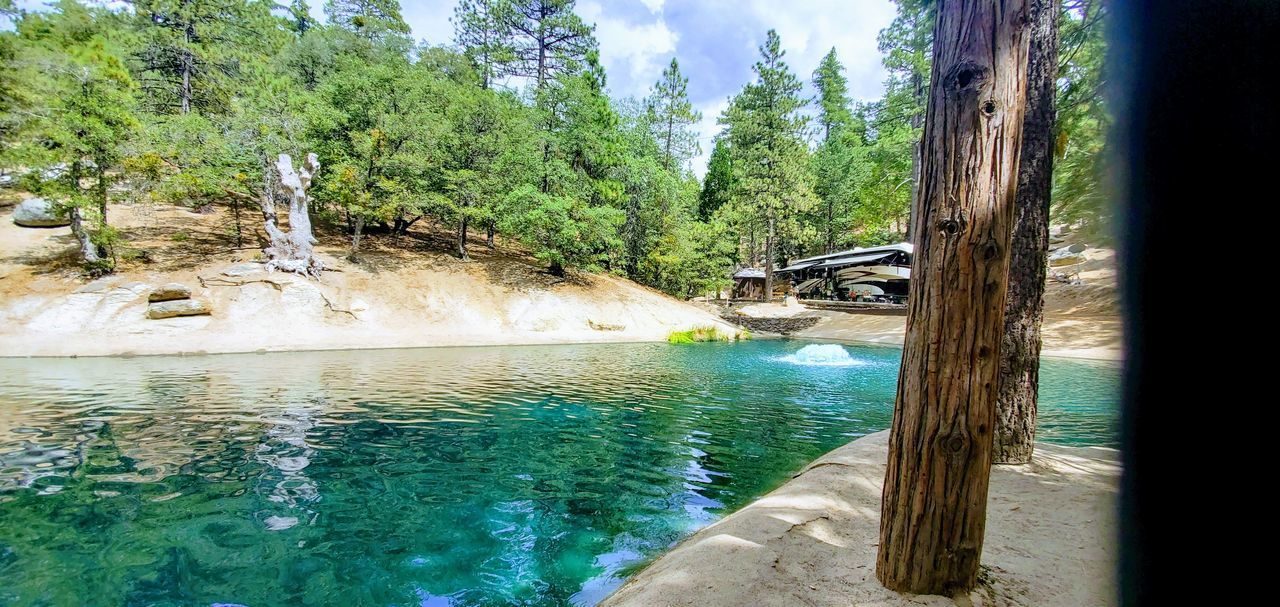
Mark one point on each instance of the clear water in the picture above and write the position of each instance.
(472, 476)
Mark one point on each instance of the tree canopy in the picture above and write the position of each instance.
(510, 131)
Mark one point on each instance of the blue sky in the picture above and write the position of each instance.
(715, 41)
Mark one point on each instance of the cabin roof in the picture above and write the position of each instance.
(749, 273)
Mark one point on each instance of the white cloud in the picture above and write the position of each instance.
(633, 54)
(655, 6)
(811, 28)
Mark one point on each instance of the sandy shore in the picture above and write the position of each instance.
(1050, 541)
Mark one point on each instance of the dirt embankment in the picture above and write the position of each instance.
(404, 292)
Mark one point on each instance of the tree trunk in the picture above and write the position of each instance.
(188, 62)
(462, 239)
(933, 512)
(292, 252)
(488, 239)
(357, 232)
(87, 251)
(913, 204)
(768, 260)
(1029, 253)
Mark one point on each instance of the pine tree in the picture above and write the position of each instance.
(717, 185)
(673, 117)
(549, 39)
(190, 52)
(482, 29)
(373, 20)
(907, 44)
(833, 95)
(767, 131)
(86, 122)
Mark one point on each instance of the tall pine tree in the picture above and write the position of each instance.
(672, 118)
(767, 131)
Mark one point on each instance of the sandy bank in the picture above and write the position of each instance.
(1050, 541)
(404, 293)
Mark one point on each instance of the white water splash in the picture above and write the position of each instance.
(822, 355)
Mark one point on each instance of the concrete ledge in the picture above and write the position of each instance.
(1051, 539)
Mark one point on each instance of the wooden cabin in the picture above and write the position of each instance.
(748, 283)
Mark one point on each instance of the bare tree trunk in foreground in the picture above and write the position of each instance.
(933, 511)
(292, 252)
(1029, 256)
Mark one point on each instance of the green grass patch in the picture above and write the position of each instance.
(704, 334)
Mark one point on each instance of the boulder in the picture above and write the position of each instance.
(178, 307)
(1067, 256)
(38, 213)
(170, 292)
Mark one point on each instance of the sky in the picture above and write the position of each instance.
(715, 41)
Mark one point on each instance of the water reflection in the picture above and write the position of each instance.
(471, 476)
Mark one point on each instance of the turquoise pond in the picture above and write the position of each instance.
(539, 475)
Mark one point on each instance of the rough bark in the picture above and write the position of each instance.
(357, 233)
(462, 239)
(913, 203)
(935, 492)
(1024, 305)
(488, 239)
(292, 251)
(768, 261)
(87, 251)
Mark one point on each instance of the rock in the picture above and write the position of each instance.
(779, 325)
(243, 269)
(170, 292)
(1067, 256)
(38, 213)
(178, 307)
(101, 285)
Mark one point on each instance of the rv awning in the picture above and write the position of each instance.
(853, 261)
(797, 267)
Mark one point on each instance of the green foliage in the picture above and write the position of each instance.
(562, 231)
(705, 334)
(1082, 122)
(373, 20)
(182, 102)
(483, 30)
(85, 118)
(833, 95)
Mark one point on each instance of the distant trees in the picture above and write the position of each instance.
(450, 136)
(373, 20)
